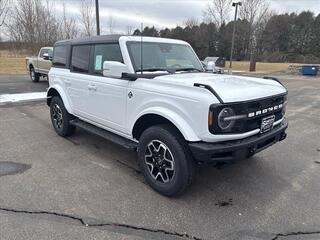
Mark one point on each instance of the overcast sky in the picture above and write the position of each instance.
(167, 13)
(164, 13)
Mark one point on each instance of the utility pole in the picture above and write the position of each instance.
(235, 4)
(97, 17)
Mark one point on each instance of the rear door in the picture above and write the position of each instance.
(77, 80)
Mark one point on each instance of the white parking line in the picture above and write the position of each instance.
(22, 97)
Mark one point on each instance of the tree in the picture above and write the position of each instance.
(87, 18)
(136, 32)
(129, 30)
(4, 8)
(111, 24)
(254, 12)
(217, 11)
(33, 23)
(191, 22)
(315, 37)
(150, 31)
(68, 26)
(301, 33)
(276, 34)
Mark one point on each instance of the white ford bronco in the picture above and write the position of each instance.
(152, 95)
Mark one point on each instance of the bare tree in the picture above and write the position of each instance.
(33, 23)
(4, 8)
(255, 12)
(111, 24)
(191, 22)
(217, 11)
(68, 26)
(87, 18)
(129, 30)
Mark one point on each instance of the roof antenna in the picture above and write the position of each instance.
(141, 56)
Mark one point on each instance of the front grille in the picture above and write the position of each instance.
(244, 108)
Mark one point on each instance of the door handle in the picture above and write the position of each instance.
(67, 82)
(92, 87)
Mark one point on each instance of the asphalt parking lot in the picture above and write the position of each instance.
(21, 84)
(85, 187)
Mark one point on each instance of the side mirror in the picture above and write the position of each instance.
(47, 56)
(211, 66)
(114, 69)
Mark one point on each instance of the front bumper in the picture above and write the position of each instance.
(232, 150)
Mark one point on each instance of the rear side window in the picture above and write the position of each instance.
(80, 58)
(59, 56)
(105, 52)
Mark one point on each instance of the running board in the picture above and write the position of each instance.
(112, 137)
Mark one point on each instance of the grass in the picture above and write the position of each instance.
(15, 64)
(12, 65)
(261, 67)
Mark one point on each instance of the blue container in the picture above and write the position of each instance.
(310, 70)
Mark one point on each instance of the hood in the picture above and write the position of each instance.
(230, 88)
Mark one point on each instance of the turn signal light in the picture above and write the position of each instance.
(210, 119)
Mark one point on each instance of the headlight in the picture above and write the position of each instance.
(224, 121)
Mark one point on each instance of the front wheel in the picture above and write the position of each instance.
(165, 160)
(60, 118)
(35, 77)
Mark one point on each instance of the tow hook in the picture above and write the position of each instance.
(283, 136)
(252, 150)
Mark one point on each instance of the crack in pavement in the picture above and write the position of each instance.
(110, 224)
(294, 234)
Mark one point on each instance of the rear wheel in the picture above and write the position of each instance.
(60, 118)
(35, 77)
(165, 160)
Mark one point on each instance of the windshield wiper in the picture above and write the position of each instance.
(154, 70)
(188, 69)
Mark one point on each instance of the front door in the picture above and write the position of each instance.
(43, 64)
(107, 96)
(107, 102)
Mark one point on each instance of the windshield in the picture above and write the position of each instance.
(163, 57)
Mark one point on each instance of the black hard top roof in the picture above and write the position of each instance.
(94, 39)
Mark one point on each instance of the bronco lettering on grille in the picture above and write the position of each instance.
(264, 111)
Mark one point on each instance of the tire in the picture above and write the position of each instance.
(60, 118)
(35, 77)
(170, 170)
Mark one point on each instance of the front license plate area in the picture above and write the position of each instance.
(267, 124)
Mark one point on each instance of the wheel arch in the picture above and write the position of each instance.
(57, 91)
(152, 118)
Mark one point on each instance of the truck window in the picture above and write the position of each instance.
(59, 56)
(105, 52)
(50, 53)
(80, 58)
(43, 51)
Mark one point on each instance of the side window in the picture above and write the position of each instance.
(105, 52)
(43, 51)
(50, 53)
(80, 58)
(59, 56)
